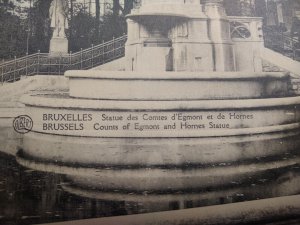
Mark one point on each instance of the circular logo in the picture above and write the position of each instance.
(23, 124)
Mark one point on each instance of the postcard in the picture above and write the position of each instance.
(150, 112)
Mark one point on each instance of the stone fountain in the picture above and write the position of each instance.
(192, 109)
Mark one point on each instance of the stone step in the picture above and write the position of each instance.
(8, 112)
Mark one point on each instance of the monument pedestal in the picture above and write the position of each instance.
(58, 46)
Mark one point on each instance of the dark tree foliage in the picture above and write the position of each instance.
(128, 5)
(88, 29)
(113, 26)
(12, 32)
(7, 5)
(116, 7)
(19, 33)
(239, 8)
(40, 30)
(71, 14)
(83, 30)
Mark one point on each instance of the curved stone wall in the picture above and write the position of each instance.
(164, 131)
(243, 131)
(176, 85)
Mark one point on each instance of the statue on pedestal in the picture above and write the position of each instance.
(59, 17)
(59, 22)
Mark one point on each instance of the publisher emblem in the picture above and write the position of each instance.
(23, 124)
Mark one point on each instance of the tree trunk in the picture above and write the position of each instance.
(97, 19)
(71, 24)
(116, 7)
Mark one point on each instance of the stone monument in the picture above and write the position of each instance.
(179, 37)
(191, 110)
(59, 22)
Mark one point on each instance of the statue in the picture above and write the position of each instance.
(58, 15)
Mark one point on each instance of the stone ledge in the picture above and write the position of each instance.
(148, 75)
(66, 102)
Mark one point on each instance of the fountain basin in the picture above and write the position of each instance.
(115, 133)
(164, 130)
(124, 85)
(163, 179)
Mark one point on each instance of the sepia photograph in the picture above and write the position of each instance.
(150, 112)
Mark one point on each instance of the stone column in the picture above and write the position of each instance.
(219, 28)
